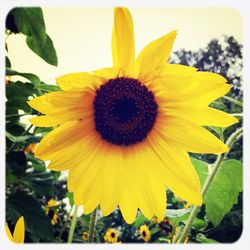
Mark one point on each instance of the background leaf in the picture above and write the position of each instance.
(36, 221)
(30, 22)
(44, 48)
(223, 192)
(201, 168)
(31, 77)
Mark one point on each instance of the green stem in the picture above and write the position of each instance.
(15, 115)
(237, 115)
(73, 225)
(15, 143)
(92, 226)
(233, 138)
(233, 100)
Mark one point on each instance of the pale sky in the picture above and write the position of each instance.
(82, 36)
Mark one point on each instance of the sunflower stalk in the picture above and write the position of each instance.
(92, 226)
(231, 140)
(232, 100)
(73, 225)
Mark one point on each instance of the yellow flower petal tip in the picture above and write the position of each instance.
(124, 132)
(19, 231)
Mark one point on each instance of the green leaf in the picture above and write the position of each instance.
(217, 130)
(16, 163)
(175, 221)
(30, 22)
(49, 88)
(203, 239)
(31, 77)
(71, 198)
(7, 62)
(44, 48)
(140, 219)
(36, 221)
(224, 190)
(201, 168)
(40, 182)
(14, 138)
(18, 94)
(154, 230)
(199, 224)
(86, 219)
(175, 213)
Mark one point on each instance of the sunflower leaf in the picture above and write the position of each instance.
(29, 21)
(14, 138)
(203, 239)
(31, 77)
(201, 168)
(141, 219)
(44, 48)
(36, 221)
(224, 190)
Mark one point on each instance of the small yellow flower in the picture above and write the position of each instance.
(52, 203)
(52, 213)
(111, 236)
(19, 231)
(85, 236)
(145, 233)
(31, 148)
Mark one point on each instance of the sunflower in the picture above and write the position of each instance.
(111, 236)
(52, 203)
(51, 211)
(145, 233)
(85, 236)
(124, 132)
(19, 231)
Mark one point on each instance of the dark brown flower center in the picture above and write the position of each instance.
(125, 111)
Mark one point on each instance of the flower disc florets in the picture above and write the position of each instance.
(125, 111)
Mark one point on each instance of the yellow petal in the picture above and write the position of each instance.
(8, 232)
(19, 231)
(107, 73)
(60, 101)
(190, 136)
(153, 58)
(176, 169)
(57, 118)
(58, 138)
(62, 107)
(178, 69)
(112, 179)
(188, 90)
(78, 80)
(123, 50)
(150, 191)
(128, 205)
(208, 116)
(92, 203)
